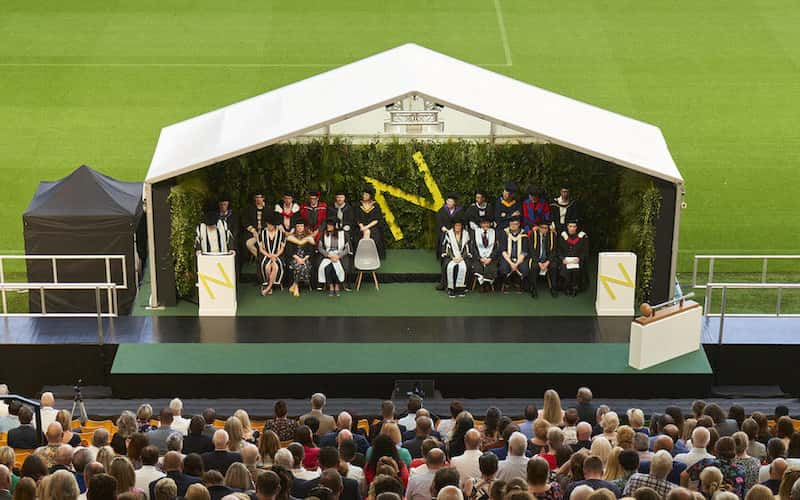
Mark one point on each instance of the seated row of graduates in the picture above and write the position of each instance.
(279, 239)
(492, 256)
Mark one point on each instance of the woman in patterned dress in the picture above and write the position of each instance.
(300, 247)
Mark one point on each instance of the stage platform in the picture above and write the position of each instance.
(357, 345)
(407, 281)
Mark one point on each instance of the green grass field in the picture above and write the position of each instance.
(93, 82)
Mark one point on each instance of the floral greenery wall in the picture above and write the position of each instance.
(618, 206)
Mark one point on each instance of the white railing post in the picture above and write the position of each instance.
(778, 302)
(55, 270)
(3, 291)
(764, 271)
(694, 272)
(722, 313)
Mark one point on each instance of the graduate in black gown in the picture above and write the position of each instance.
(455, 258)
(544, 258)
(345, 216)
(485, 253)
(334, 251)
(573, 250)
(444, 220)
(563, 209)
(479, 208)
(300, 248)
(507, 206)
(271, 245)
(515, 251)
(369, 218)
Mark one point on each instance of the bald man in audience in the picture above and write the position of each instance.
(100, 438)
(450, 493)
(250, 459)
(582, 492)
(776, 470)
(678, 446)
(700, 439)
(48, 409)
(467, 462)
(63, 459)
(583, 433)
(53, 436)
(173, 468)
(419, 485)
(331, 479)
(220, 459)
(665, 443)
(516, 463)
(344, 422)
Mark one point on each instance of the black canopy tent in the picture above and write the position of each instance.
(85, 213)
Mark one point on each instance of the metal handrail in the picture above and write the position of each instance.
(713, 258)
(744, 286)
(113, 302)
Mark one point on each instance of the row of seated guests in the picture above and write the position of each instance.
(581, 452)
(514, 242)
(310, 244)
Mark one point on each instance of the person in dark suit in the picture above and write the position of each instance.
(329, 461)
(544, 261)
(344, 422)
(387, 415)
(423, 431)
(220, 459)
(586, 410)
(215, 483)
(173, 470)
(196, 441)
(25, 436)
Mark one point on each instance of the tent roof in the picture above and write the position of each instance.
(85, 193)
(391, 75)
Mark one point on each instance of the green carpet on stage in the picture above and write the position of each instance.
(303, 358)
(393, 299)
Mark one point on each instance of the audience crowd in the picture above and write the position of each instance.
(585, 452)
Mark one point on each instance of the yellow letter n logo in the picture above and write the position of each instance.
(206, 279)
(381, 188)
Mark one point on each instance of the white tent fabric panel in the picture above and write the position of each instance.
(358, 87)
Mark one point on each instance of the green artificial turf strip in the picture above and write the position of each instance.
(93, 82)
(296, 358)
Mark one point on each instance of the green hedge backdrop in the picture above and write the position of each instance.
(618, 206)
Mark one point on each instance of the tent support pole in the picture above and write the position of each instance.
(673, 273)
(151, 246)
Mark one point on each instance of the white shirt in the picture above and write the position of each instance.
(3, 409)
(409, 421)
(48, 417)
(444, 428)
(180, 424)
(419, 486)
(420, 469)
(357, 473)
(694, 456)
(146, 475)
(304, 474)
(92, 452)
(467, 464)
(511, 467)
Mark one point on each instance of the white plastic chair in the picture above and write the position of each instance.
(367, 260)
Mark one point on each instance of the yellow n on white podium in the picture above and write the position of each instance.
(616, 284)
(216, 283)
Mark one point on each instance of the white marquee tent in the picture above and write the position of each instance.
(396, 74)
